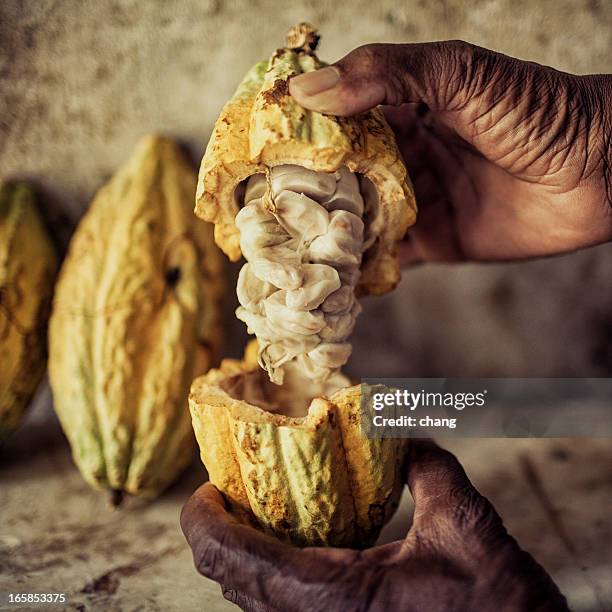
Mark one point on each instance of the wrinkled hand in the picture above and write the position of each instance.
(456, 556)
(509, 159)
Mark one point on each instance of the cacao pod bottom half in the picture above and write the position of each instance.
(310, 480)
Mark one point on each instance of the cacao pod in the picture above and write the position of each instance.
(262, 126)
(28, 265)
(315, 478)
(136, 316)
(312, 480)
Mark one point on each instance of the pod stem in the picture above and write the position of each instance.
(303, 36)
(116, 498)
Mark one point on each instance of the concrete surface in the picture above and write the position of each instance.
(81, 81)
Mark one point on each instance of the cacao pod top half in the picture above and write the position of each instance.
(136, 316)
(263, 126)
(28, 264)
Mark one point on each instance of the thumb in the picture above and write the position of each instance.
(387, 74)
(441, 490)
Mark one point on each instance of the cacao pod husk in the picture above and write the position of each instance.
(136, 316)
(316, 480)
(28, 265)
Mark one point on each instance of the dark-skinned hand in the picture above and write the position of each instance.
(509, 159)
(457, 555)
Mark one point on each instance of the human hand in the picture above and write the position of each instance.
(509, 159)
(457, 555)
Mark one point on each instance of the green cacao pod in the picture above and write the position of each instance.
(314, 480)
(136, 315)
(28, 264)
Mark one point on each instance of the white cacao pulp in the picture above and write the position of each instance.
(302, 234)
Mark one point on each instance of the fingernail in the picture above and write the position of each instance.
(315, 82)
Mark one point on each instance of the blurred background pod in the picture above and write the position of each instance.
(28, 265)
(136, 316)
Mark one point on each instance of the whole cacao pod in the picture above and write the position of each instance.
(28, 264)
(136, 316)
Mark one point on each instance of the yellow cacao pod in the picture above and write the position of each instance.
(28, 264)
(262, 126)
(136, 316)
(313, 480)
(316, 478)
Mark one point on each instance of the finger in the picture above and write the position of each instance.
(262, 568)
(385, 74)
(431, 239)
(434, 236)
(224, 549)
(433, 474)
(244, 602)
(408, 253)
(440, 487)
(384, 554)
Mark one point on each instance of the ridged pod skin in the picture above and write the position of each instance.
(262, 126)
(136, 316)
(28, 265)
(316, 480)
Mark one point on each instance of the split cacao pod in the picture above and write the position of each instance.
(315, 479)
